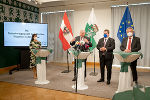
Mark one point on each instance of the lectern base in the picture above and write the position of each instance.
(66, 71)
(125, 81)
(127, 89)
(93, 74)
(83, 87)
(42, 82)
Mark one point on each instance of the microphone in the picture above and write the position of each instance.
(77, 45)
(82, 42)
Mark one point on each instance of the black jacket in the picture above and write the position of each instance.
(110, 46)
(82, 48)
(135, 45)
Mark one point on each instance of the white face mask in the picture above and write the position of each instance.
(35, 38)
(130, 34)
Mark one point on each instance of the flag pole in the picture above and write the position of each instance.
(67, 71)
(93, 73)
(94, 62)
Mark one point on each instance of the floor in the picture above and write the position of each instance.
(61, 82)
(11, 91)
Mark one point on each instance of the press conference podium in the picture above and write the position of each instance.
(125, 78)
(41, 67)
(80, 75)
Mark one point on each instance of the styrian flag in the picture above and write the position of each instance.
(65, 33)
(91, 29)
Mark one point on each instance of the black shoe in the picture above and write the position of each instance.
(136, 82)
(108, 82)
(74, 79)
(101, 80)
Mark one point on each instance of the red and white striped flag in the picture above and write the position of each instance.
(65, 33)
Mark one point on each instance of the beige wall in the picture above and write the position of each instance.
(80, 18)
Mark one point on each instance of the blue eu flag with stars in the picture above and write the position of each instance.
(125, 23)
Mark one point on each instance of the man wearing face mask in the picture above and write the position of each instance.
(131, 44)
(106, 45)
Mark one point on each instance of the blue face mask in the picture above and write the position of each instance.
(105, 35)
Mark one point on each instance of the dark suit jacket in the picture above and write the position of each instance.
(82, 48)
(135, 45)
(110, 46)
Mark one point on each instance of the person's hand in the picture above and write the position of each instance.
(127, 50)
(72, 40)
(85, 40)
(103, 49)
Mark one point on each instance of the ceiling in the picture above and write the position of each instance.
(55, 3)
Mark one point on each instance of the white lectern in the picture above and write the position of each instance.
(41, 68)
(80, 78)
(125, 78)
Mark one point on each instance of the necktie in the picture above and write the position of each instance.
(81, 38)
(129, 44)
(104, 42)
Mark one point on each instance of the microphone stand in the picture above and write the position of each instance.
(77, 69)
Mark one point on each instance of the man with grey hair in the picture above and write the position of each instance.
(131, 44)
(86, 42)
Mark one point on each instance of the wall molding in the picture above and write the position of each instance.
(97, 65)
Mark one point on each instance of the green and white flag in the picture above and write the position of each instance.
(91, 29)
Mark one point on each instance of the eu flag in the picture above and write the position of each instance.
(125, 23)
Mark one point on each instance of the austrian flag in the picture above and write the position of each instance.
(65, 33)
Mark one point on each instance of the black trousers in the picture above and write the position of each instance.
(75, 68)
(133, 69)
(108, 63)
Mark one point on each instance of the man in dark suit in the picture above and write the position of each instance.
(82, 38)
(131, 44)
(106, 45)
